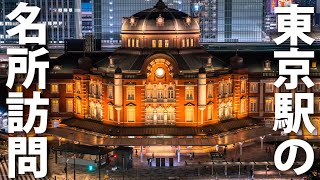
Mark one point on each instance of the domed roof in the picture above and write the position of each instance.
(236, 61)
(160, 18)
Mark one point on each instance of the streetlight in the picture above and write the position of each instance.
(74, 158)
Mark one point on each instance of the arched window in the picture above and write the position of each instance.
(93, 110)
(160, 113)
(170, 93)
(149, 113)
(171, 114)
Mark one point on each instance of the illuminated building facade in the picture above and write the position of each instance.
(160, 76)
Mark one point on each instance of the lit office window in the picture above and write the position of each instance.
(131, 114)
(189, 113)
(54, 88)
(69, 88)
(166, 43)
(160, 43)
(154, 43)
(69, 105)
(54, 105)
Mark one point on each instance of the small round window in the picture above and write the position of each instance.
(160, 72)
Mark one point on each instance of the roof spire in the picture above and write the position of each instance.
(160, 5)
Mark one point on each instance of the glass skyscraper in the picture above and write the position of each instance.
(240, 20)
(108, 15)
(62, 17)
(206, 10)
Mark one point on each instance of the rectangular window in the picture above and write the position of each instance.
(210, 91)
(69, 88)
(189, 92)
(78, 87)
(183, 43)
(130, 92)
(137, 43)
(191, 42)
(133, 42)
(54, 105)
(69, 105)
(110, 112)
(154, 43)
(110, 92)
(19, 88)
(160, 43)
(131, 113)
(253, 105)
(269, 88)
(209, 112)
(189, 113)
(166, 43)
(268, 105)
(129, 42)
(54, 88)
(243, 86)
(253, 87)
(243, 106)
(188, 42)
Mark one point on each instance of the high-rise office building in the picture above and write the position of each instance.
(62, 17)
(206, 10)
(229, 20)
(108, 15)
(87, 17)
(240, 21)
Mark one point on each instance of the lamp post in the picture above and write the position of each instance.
(74, 158)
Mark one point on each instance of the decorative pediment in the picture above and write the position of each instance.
(210, 103)
(189, 104)
(131, 105)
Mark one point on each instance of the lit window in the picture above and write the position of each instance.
(129, 42)
(110, 92)
(253, 87)
(171, 114)
(130, 92)
(243, 86)
(170, 93)
(269, 105)
(210, 112)
(189, 113)
(137, 43)
(69, 88)
(133, 42)
(78, 103)
(69, 105)
(19, 88)
(183, 43)
(191, 42)
(54, 88)
(78, 87)
(189, 92)
(160, 43)
(269, 87)
(154, 43)
(210, 91)
(188, 42)
(54, 105)
(243, 106)
(166, 43)
(110, 112)
(131, 113)
(253, 105)
(93, 110)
